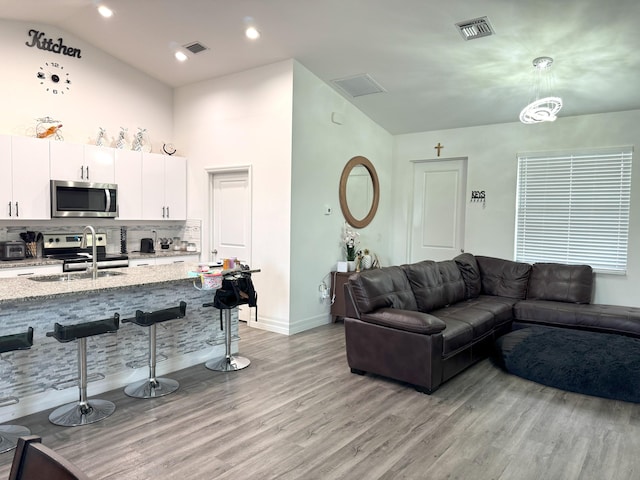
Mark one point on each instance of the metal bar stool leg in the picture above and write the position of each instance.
(83, 412)
(152, 387)
(9, 435)
(230, 362)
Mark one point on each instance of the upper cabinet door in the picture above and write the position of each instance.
(6, 180)
(81, 163)
(67, 161)
(31, 190)
(175, 187)
(99, 164)
(128, 177)
(153, 204)
(164, 187)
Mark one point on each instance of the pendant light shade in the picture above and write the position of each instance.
(542, 107)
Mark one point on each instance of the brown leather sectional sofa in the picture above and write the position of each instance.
(425, 322)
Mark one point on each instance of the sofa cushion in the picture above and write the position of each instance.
(601, 318)
(481, 321)
(500, 307)
(456, 336)
(561, 283)
(470, 274)
(386, 287)
(503, 278)
(454, 287)
(426, 282)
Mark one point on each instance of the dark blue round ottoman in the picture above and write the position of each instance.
(600, 364)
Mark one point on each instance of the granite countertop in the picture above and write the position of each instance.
(25, 289)
(38, 262)
(29, 262)
(160, 254)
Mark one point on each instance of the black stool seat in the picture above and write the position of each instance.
(17, 341)
(9, 434)
(83, 412)
(68, 333)
(146, 319)
(154, 387)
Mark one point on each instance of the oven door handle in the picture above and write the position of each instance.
(107, 194)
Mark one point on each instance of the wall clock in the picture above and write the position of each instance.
(54, 79)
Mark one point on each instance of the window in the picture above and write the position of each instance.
(574, 208)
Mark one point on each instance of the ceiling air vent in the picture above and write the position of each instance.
(359, 85)
(195, 47)
(476, 28)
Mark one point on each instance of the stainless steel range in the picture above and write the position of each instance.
(66, 247)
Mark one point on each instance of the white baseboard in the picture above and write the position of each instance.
(290, 328)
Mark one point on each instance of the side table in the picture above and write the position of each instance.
(338, 308)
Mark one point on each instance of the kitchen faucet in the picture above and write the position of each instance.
(94, 250)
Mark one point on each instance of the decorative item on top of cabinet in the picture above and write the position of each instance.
(121, 142)
(100, 139)
(48, 127)
(141, 141)
(168, 148)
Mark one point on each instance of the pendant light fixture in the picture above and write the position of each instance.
(543, 107)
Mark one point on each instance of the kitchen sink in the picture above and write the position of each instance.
(68, 277)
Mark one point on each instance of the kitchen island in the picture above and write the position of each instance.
(44, 377)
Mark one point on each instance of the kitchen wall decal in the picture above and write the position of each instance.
(38, 40)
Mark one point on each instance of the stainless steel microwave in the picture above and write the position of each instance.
(83, 199)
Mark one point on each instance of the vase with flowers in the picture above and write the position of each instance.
(350, 240)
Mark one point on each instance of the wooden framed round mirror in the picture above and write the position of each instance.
(359, 192)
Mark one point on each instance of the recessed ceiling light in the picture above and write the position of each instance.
(105, 11)
(252, 33)
(180, 56)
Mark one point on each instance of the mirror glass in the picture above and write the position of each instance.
(359, 192)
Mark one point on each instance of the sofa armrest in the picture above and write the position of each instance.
(407, 320)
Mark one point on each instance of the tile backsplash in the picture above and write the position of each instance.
(190, 231)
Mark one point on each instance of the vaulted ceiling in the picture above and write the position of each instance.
(433, 78)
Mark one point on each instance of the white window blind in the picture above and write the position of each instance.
(574, 208)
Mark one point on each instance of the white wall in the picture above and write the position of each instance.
(492, 166)
(321, 148)
(104, 92)
(277, 119)
(245, 120)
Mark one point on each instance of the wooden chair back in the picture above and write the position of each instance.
(34, 461)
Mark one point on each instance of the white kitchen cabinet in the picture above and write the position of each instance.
(163, 260)
(142, 262)
(24, 186)
(30, 271)
(6, 179)
(177, 259)
(128, 177)
(164, 187)
(81, 163)
(99, 164)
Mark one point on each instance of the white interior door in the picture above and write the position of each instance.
(231, 219)
(437, 228)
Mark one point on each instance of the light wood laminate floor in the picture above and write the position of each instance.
(298, 413)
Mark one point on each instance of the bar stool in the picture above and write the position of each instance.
(84, 411)
(154, 387)
(9, 433)
(237, 289)
(228, 363)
